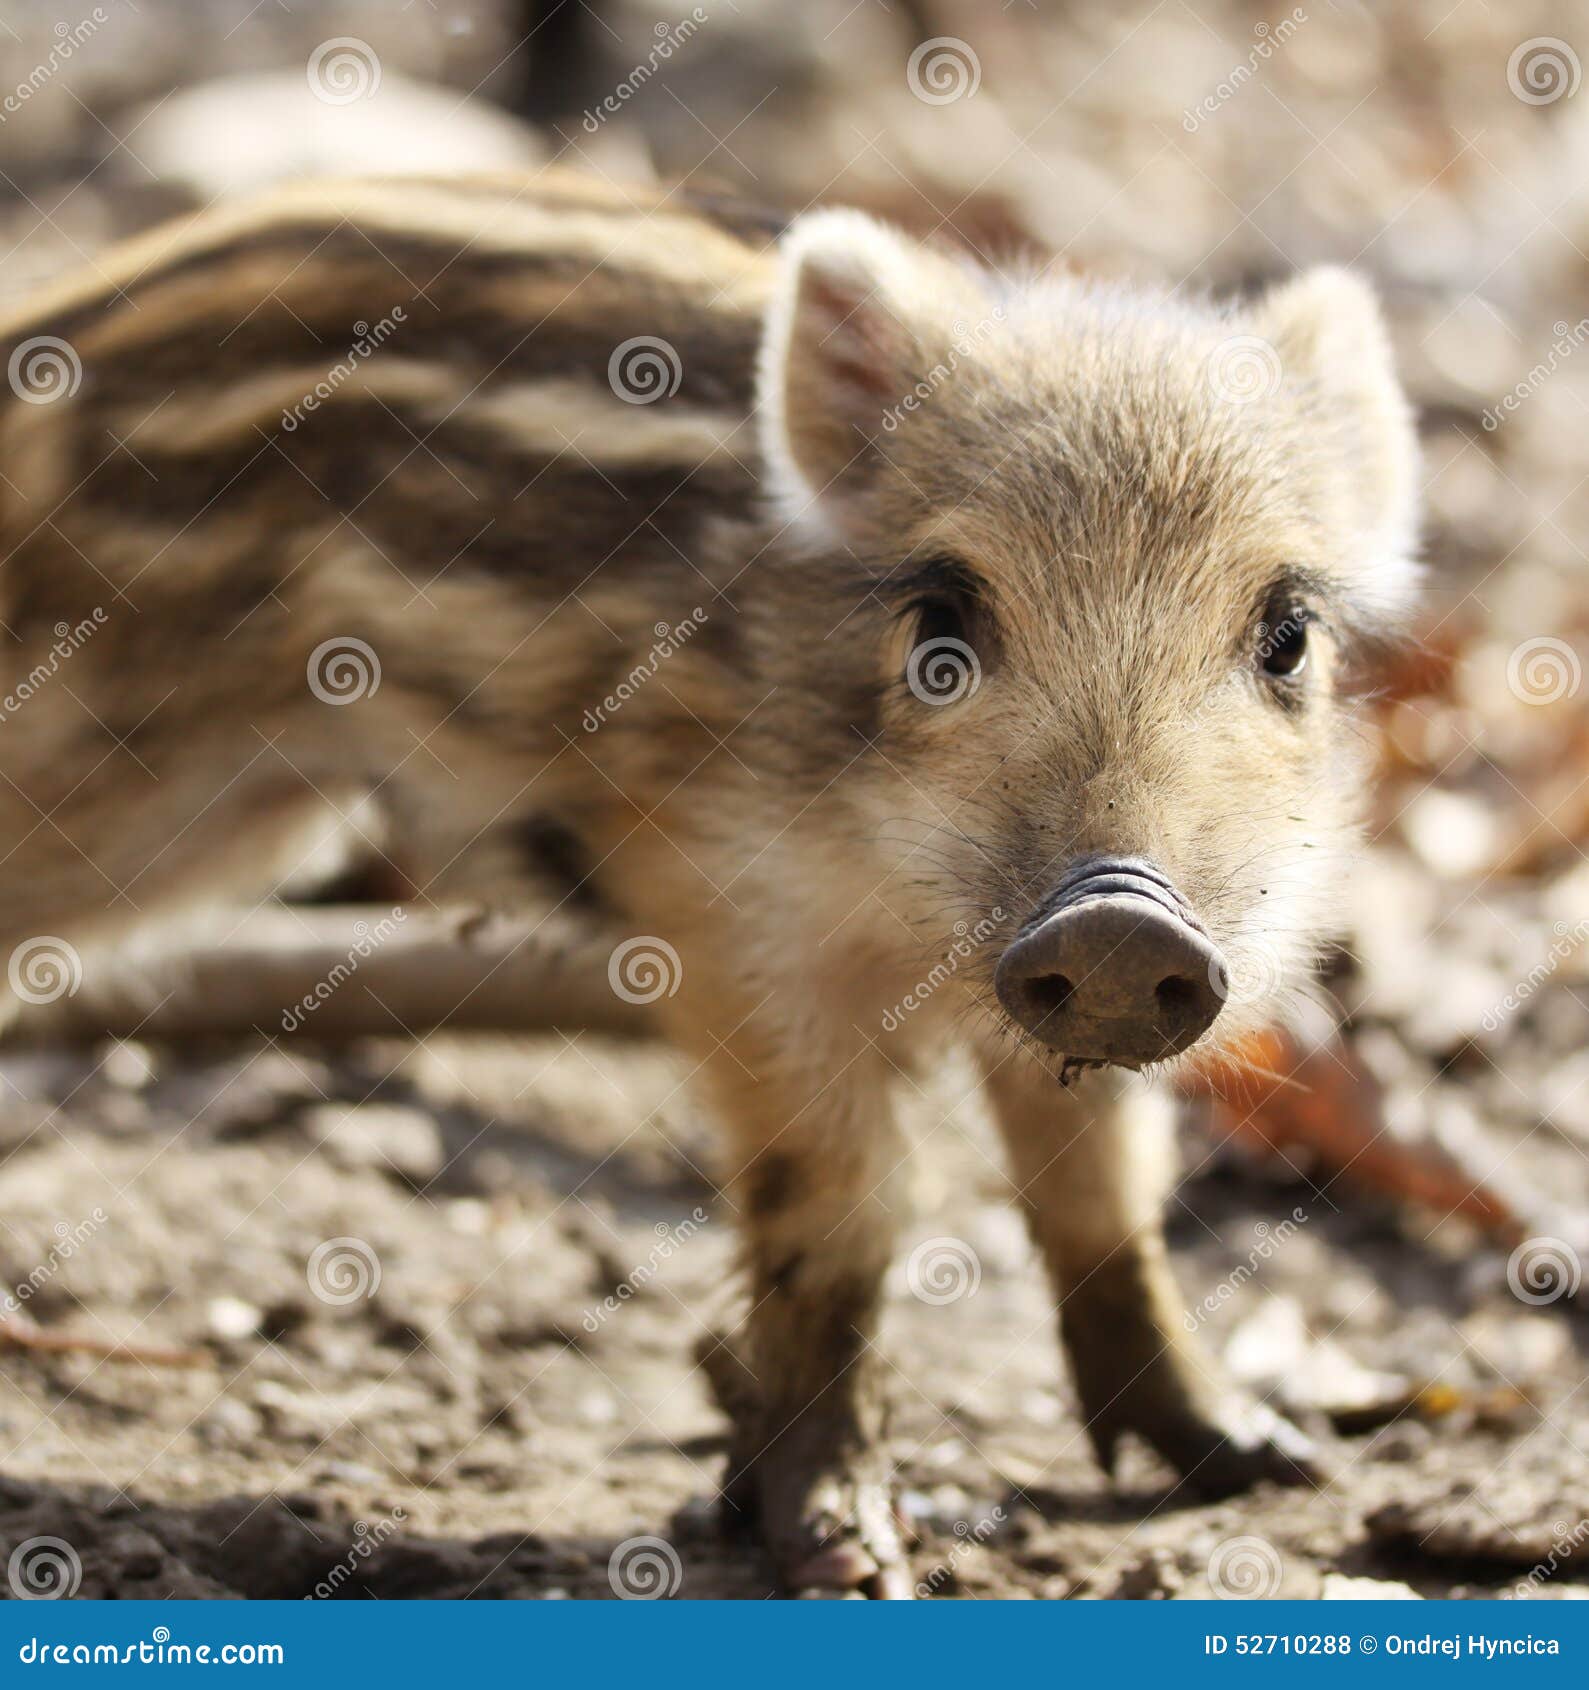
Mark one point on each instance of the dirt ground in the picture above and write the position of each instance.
(418, 1320)
(478, 1421)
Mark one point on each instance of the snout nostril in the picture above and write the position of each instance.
(1049, 993)
(1176, 994)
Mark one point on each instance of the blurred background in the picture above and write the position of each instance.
(1382, 1224)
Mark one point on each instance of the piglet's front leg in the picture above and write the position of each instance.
(1091, 1164)
(800, 1379)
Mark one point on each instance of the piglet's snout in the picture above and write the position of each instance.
(1114, 968)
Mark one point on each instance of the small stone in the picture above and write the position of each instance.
(1338, 1587)
(383, 1136)
(230, 1318)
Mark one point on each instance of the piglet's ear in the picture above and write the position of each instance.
(1334, 350)
(852, 330)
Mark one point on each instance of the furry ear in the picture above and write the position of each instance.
(860, 317)
(1327, 329)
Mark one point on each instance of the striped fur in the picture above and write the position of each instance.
(670, 633)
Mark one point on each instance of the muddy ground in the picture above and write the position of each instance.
(451, 1406)
(418, 1320)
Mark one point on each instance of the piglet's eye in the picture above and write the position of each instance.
(1283, 644)
(942, 617)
